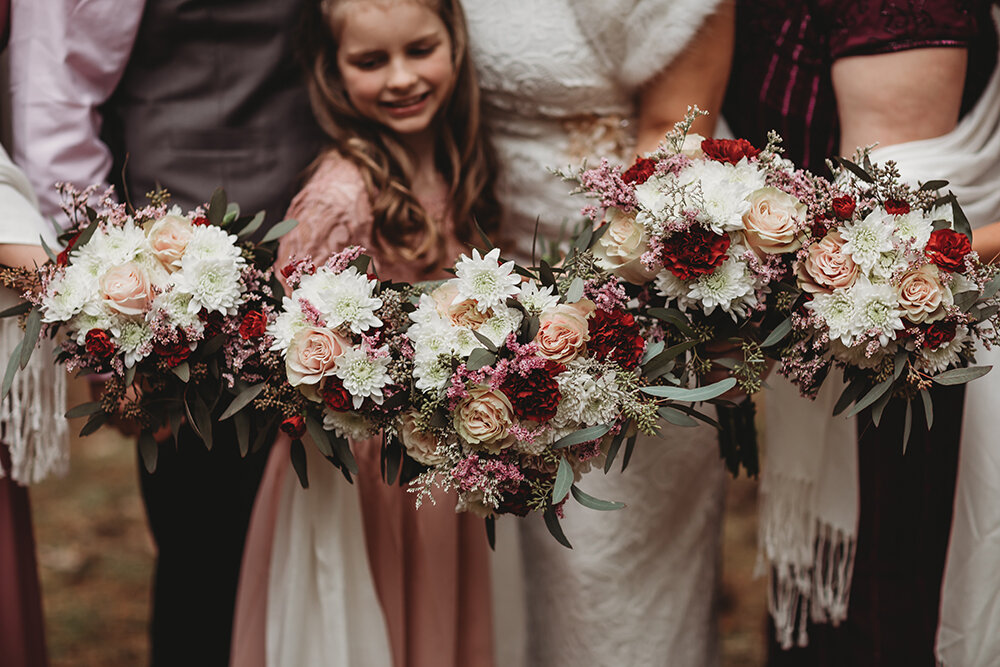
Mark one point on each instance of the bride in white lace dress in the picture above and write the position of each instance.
(564, 81)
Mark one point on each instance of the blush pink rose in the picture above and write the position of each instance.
(563, 330)
(420, 445)
(311, 356)
(126, 288)
(620, 248)
(461, 314)
(483, 419)
(168, 237)
(827, 267)
(774, 222)
(922, 296)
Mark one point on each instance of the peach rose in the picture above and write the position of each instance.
(922, 296)
(168, 237)
(126, 288)
(827, 267)
(563, 330)
(420, 445)
(620, 248)
(311, 357)
(773, 221)
(483, 419)
(461, 314)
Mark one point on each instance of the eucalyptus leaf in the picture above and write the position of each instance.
(32, 329)
(658, 365)
(598, 233)
(907, 425)
(298, 456)
(873, 395)
(483, 235)
(318, 436)
(252, 226)
(232, 213)
(342, 448)
(392, 454)
(925, 396)
(582, 241)
(575, 290)
(279, 230)
(879, 407)
(629, 448)
(704, 393)
(674, 317)
(217, 207)
(83, 410)
(88, 233)
(593, 503)
(487, 343)
(988, 292)
(933, 185)
(966, 300)
(854, 169)
(986, 313)
(583, 435)
(243, 399)
(545, 273)
(961, 375)
(962, 225)
(213, 345)
(48, 251)
(531, 326)
(676, 417)
(95, 422)
(149, 451)
(12, 365)
(652, 349)
(555, 529)
(779, 333)
(242, 423)
(19, 309)
(691, 412)
(726, 362)
(491, 532)
(361, 263)
(564, 480)
(480, 358)
(616, 444)
(182, 371)
(175, 418)
(850, 394)
(899, 362)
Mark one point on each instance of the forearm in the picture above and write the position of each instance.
(986, 242)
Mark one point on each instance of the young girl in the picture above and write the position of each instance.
(407, 172)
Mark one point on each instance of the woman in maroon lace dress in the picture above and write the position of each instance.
(830, 76)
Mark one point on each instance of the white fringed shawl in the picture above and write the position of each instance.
(31, 418)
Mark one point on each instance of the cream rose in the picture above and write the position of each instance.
(420, 445)
(620, 248)
(311, 357)
(692, 146)
(126, 288)
(484, 418)
(827, 267)
(168, 237)
(922, 296)
(461, 314)
(563, 330)
(773, 222)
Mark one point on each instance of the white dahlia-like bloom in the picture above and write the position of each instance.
(887, 265)
(537, 299)
(344, 299)
(112, 246)
(725, 194)
(837, 309)
(589, 396)
(877, 308)
(730, 287)
(866, 240)
(672, 287)
(290, 321)
(945, 356)
(432, 374)
(68, 295)
(432, 338)
(484, 280)
(363, 376)
(503, 322)
(914, 227)
(212, 283)
(653, 197)
(347, 424)
(176, 306)
(209, 241)
(134, 338)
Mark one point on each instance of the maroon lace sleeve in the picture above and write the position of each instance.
(866, 27)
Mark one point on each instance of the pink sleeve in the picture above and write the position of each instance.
(66, 58)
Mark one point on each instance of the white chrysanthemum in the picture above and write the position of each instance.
(943, 212)
(68, 295)
(348, 424)
(212, 283)
(432, 338)
(426, 311)
(653, 199)
(363, 376)
(725, 195)
(887, 265)
(176, 305)
(837, 310)
(209, 241)
(484, 280)
(672, 287)
(133, 338)
(914, 227)
(343, 299)
(537, 300)
(945, 356)
(730, 287)
(432, 374)
(587, 399)
(112, 246)
(865, 241)
(288, 323)
(502, 323)
(877, 308)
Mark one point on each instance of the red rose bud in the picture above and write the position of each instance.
(615, 336)
(939, 333)
(729, 150)
(535, 396)
(98, 343)
(694, 253)
(253, 325)
(335, 396)
(62, 259)
(947, 249)
(294, 426)
(897, 207)
(639, 172)
(200, 221)
(843, 207)
(174, 354)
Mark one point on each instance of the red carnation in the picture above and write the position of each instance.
(843, 207)
(253, 325)
(939, 333)
(695, 253)
(200, 221)
(896, 207)
(639, 172)
(62, 259)
(335, 396)
(614, 336)
(535, 396)
(947, 248)
(729, 150)
(98, 343)
(294, 426)
(173, 354)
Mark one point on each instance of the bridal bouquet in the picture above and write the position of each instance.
(171, 307)
(896, 296)
(340, 334)
(522, 384)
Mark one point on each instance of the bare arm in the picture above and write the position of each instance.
(986, 241)
(22, 255)
(697, 76)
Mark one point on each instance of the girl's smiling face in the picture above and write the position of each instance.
(395, 59)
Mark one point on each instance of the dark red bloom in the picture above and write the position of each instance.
(253, 325)
(517, 500)
(896, 207)
(939, 333)
(535, 396)
(174, 354)
(614, 336)
(694, 253)
(62, 259)
(335, 396)
(98, 343)
(843, 207)
(947, 248)
(639, 172)
(213, 323)
(200, 221)
(728, 150)
(294, 426)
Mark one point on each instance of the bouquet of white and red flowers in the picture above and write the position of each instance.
(895, 295)
(171, 307)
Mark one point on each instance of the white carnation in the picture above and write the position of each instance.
(587, 398)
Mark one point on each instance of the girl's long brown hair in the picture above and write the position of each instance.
(402, 228)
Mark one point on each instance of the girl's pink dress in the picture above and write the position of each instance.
(429, 566)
